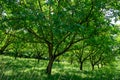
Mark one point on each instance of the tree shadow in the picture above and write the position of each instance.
(64, 76)
(23, 69)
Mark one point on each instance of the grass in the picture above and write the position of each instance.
(30, 69)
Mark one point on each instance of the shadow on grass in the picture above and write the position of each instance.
(29, 69)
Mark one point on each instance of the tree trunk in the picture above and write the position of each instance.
(1, 52)
(38, 60)
(98, 66)
(71, 61)
(16, 55)
(49, 67)
(81, 65)
(101, 64)
(92, 66)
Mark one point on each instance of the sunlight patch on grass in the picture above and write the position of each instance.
(25, 70)
(8, 73)
(30, 69)
(84, 75)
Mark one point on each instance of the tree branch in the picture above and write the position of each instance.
(57, 46)
(89, 14)
(37, 36)
(66, 49)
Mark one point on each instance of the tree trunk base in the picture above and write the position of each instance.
(49, 67)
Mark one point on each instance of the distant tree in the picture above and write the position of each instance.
(39, 51)
(81, 53)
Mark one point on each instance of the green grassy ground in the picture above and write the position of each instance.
(30, 69)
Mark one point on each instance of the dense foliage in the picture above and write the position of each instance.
(56, 29)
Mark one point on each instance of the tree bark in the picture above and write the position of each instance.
(38, 60)
(49, 67)
(98, 66)
(92, 66)
(81, 65)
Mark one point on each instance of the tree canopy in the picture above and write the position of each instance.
(59, 25)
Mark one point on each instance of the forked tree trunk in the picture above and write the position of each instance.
(49, 67)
